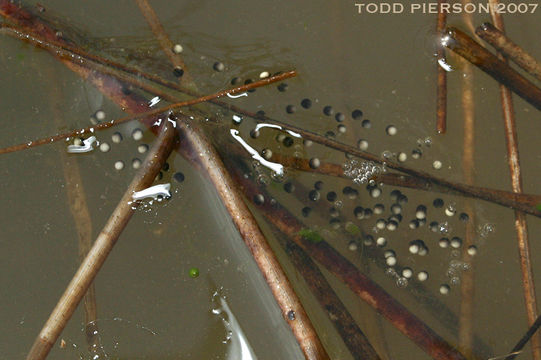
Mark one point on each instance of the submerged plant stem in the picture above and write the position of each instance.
(165, 43)
(521, 226)
(466, 47)
(352, 335)
(201, 152)
(523, 202)
(404, 321)
(509, 49)
(441, 90)
(146, 114)
(102, 246)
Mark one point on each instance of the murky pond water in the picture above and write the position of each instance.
(149, 307)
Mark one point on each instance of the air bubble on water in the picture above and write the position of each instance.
(486, 229)
(263, 179)
(401, 282)
(277, 177)
(390, 272)
(361, 171)
(445, 228)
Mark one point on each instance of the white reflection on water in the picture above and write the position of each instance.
(239, 348)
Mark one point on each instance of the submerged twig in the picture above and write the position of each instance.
(201, 152)
(147, 114)
(165, 43)
(441, 90)
(466, 47)
(406, 322)
(83, 223)
(352, 335)
(509, 49)
(523, 202)
(517, 349)
(103, 245)
(466, 338)
(521, 226)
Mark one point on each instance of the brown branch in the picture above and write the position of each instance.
(523, 202)
(362, 286)
(462, 189)
(509, 49)
(102, 246)
(441, 90)
(353, 337)
(466, 47)
(293, 311)
(200, 151)
(466, 338)
(165, 43)
(521, 226)
(83, 222)
(142, 114)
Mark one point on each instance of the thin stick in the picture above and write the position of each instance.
(147, 114)
(407, 323)
(200, 151)
(353, 337)
(463, 189)
(83, 222)
(521, 226)
(523, 202)
(509, 49)
(102, 246)
(165, 43)
(466, 47)
(466, 336)
(441, 90)
(517, 349)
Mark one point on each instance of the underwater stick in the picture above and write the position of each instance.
(441, 89)
(521, 226)
(466, 47)
(406, 322)
(509, 49)
(103, 245)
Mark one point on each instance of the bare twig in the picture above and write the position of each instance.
(466, 47)
(165, 43)
(353, 337)
(83, 223)
(362, 286)
(141, 114)
(466, 336)
(201, 152)
(523, 202)
(521, 226)
(102, 246)
(441, 90)
(517, 349)
(509, 49)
